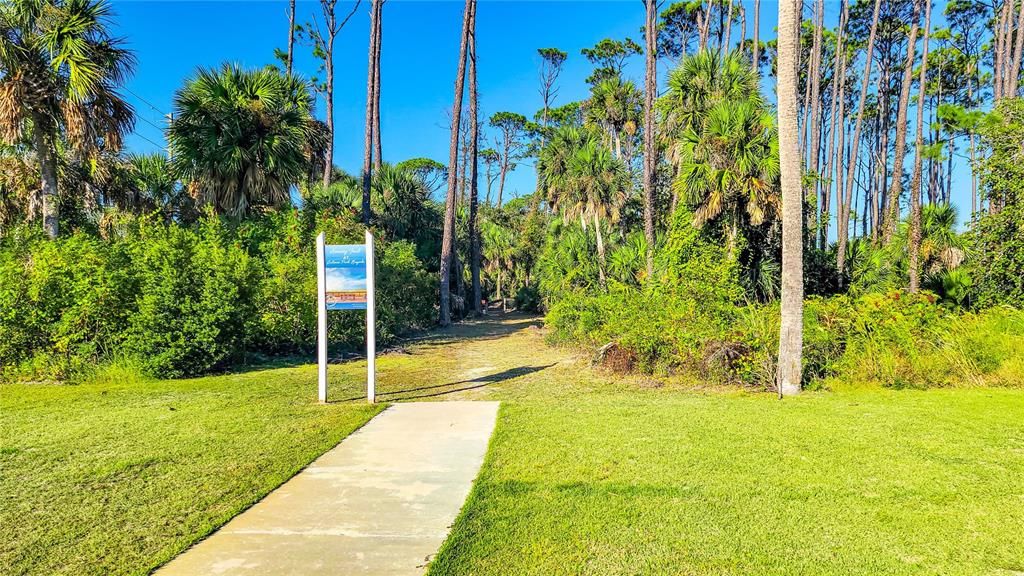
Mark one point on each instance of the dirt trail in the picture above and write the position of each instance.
(472, 360)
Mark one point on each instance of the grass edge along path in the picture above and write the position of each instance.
(120, 477)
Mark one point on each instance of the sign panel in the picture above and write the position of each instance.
(345, 271)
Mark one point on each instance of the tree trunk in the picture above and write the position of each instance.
(329, 153)
(291, 34)
(892, 211)
(445, 318)
(650, 152)
(757, 36)
(501, 177)
(997, 54)
(914, 248)
(837, 119)
(728, 29)
(791, 325)
(1018, 54)
(371, 67)
(882, 160)
(1007, 49)
(843, 225)
(974, 180)
(813, 124)
(600, 252)
(48, 174)
(704, 21)
(378, 155)
(474, 136)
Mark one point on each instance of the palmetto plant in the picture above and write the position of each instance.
(616, 106)
(242, 138)
(582, 180)
(729, 167)
(59, 73)
(498, 252)
(699, 83)
(722, 142)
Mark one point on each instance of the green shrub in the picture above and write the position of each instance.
(64, 304)
(172, 300)
(195, 299)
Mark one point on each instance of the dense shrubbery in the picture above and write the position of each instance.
(182, 300)
(696, 320)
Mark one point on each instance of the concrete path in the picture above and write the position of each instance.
(381, 502)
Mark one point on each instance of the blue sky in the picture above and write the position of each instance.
(420, 53)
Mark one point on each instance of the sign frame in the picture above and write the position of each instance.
(371, 318)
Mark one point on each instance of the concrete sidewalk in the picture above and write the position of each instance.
(381, 502)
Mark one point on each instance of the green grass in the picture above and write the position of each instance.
(669, 483)
(117, 476)
(587, 473)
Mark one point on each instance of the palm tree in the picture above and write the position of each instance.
(241, 139)
(791, 326)
(583, 180)
(699, 83)
(155, 187)
(498, 252)
(728, 166)
(59, 73)
(615, 106)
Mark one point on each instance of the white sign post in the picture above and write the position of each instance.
(371, 321)
(321, 319)
(345, 281)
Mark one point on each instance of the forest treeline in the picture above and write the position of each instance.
(654, 235)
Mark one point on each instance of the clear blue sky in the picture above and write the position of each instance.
(420, 53)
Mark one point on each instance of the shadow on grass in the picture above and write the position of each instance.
(437, 390)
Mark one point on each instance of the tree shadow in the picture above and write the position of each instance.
(436, 390)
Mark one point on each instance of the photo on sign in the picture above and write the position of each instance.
(345, 274)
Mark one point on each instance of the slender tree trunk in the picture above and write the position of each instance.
(453, 159)
(650, 152)
(501, 177)
(813, 124)
(791, 326)
(974, 180)
(600, 252)
(837, 120)
(48, 174)
(914, 248)
(371, 70)
(291, 34)
(329, 154)
(743, 28)
(1008, 72)
(997, 54)
(728, 29)
(378, 155)
(882, 160)
(757, 36)
(704, 20)
(892, 211)
(474, 136)
(855, 144)
(1018, 54)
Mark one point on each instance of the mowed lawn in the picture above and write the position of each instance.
(117, 477)
(587, 473)
(661, 482)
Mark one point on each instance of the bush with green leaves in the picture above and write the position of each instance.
(182, 300)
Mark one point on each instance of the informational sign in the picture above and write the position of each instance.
(345, 270)
(345, 281)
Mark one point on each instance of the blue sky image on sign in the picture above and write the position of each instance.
(345, 272)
